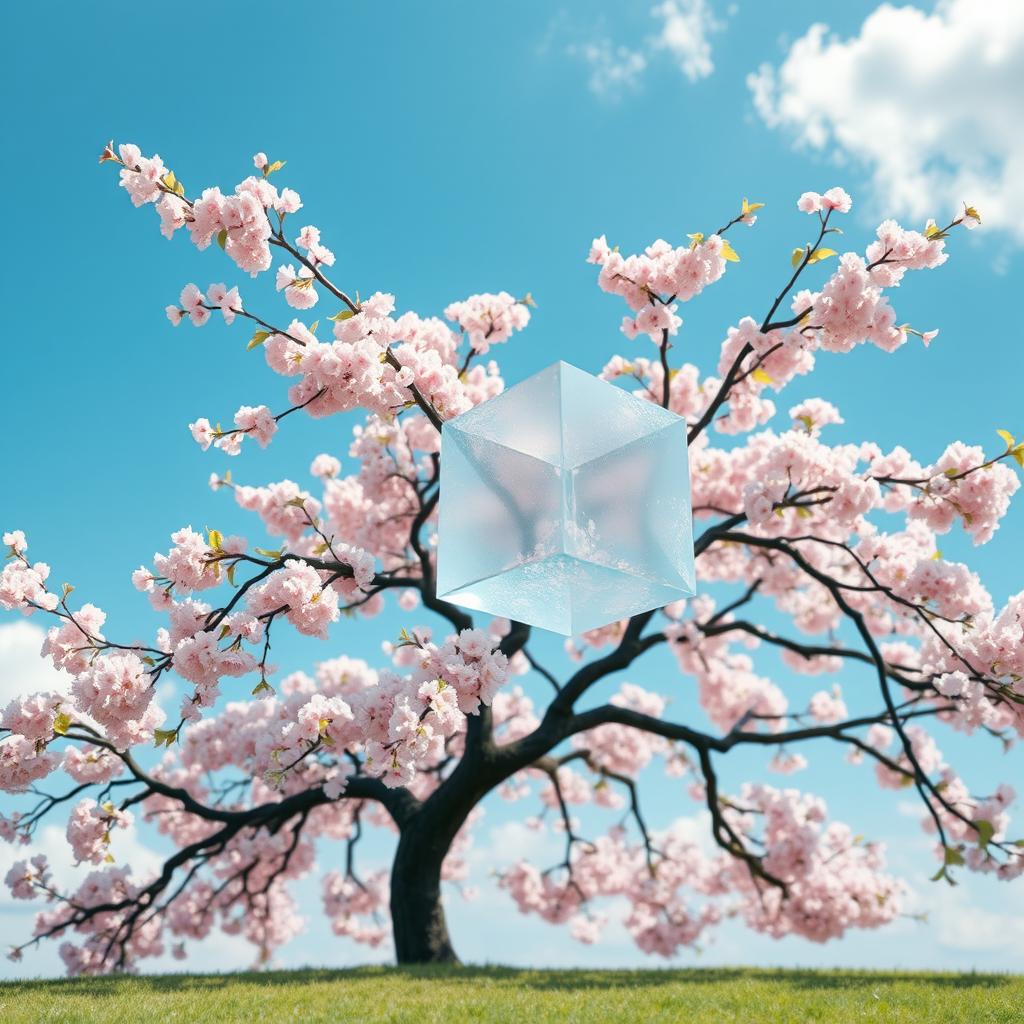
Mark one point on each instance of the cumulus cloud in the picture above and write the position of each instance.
(974, 917)
(510, 842)
(686, 28)
(683, 30)
(612, 68)
(930, 104)
(22, 670)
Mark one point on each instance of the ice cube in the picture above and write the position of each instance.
(565, 504)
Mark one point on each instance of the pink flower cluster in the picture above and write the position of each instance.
(71, 645)
(489, 319)
(23, 584)
(186, 566)
(834, 199)
(729, 689)
(27, 877)
(91, 764)
(354, 907)
(23, 761)
(399, 724)
(833, 882)
(652, 282)
(239, 222)
(198, 657)
(309, 597)
(311, 604)
(115, 691)
(196, 306)
(298, 287)
(278, 506)
(619, 748)
(89, 828)
(33, 716)
(955, 491)
(112, 887)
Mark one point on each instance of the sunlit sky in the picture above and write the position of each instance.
(448, 149)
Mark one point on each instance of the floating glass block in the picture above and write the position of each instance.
(565, 504)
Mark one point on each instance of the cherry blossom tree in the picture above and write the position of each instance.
(255, 773)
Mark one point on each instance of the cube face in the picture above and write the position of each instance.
(565, 504)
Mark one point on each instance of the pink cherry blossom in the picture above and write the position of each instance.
(297, 287)
(816, 556)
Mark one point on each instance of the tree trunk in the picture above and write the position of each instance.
(417, 914)
(425, 836)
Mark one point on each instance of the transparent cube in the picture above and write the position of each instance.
(565, 504)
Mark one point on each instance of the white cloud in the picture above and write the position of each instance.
(961, 921)
(612, 68)
(914, 809)
(684, 28)
(510, 842)
(22, 670)
(931, 104)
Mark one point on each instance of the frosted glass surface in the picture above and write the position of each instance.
(565, 504)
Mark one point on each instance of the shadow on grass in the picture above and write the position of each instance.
(552, 980)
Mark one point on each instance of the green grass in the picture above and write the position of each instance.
(487, 994)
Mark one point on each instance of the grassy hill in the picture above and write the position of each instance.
(485, 994)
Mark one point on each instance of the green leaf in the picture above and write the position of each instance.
(275, 166)
(820, 254)
(405, 640)
(797, 257)
(1008, 438)
(262, 687)
(985, 831)
(345, 314)
(727, 252)
(267, 553)
(222, 237)
(257, 339)
(954, 856)
(164, 737)
(216, 538)
(61, 723)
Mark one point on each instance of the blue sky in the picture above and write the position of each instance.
(444, 150)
